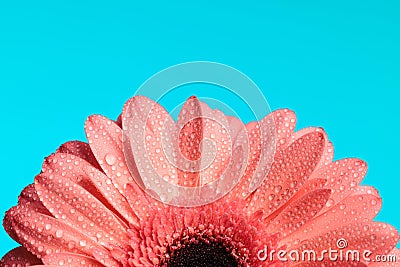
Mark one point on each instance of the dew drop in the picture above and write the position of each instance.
(330, 202)
(82, 243)
(71, 245)
(110, 159)
(59, 233)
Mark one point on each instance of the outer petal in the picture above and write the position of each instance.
(191, 127)
(327, 154)
(299, 212)
(142, 204)
(81, 150)
(284, 122)
(288, 173)
(221, 136)
(30, 196)
(309, 186)
(7, 224)
(343, 177)
(70, 260)
(164, 165)
(43, 235)
(147, 125)
(360, 207)
(27, 196)
(91, 179)
(105, 140)
(104, 256)
(75, 206)
(19, 257)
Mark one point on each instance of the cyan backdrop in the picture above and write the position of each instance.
(336, 63)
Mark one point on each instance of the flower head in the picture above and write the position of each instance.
(204, 191)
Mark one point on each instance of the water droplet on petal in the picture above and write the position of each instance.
(330, 202)
(59, 233)
(82, 243)
(110, 159)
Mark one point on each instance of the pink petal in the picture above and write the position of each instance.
(284, 122)
(141, 203)
(27, 196)
(7, 224)
(105, 140)
(360, 207)
(221, 136)
(327, 154)
(263, 144)
(309, 186)
(191, 127)
(224, 151)
(92, 180)
(289, 171)
(104, 256)
(242, 189)
(299, 212)
(70, 259)
(343, 177)
(43, 235)
(146, 126)
(75, 206)
(19, 257)
(81, 150)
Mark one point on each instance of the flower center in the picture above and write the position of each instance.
(202, 254)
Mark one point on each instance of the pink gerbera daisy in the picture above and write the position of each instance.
(265, 188)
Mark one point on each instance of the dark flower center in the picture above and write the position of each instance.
(202, 255)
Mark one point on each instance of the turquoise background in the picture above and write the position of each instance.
(336, 63)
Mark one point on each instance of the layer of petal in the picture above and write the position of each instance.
(19, 257)
(81, 150)
(42, 234)
(289, 171)
(360, 207)
(70, 260)
(105, 140)
(76, 207)
(92, 180)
